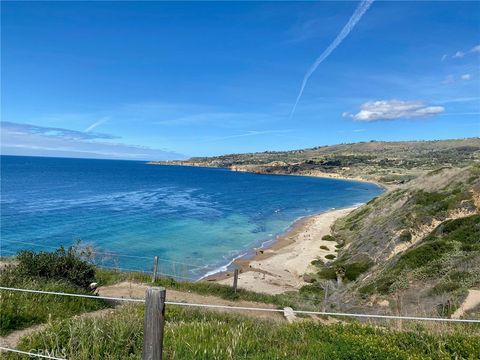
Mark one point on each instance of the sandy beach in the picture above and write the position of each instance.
(280, 268)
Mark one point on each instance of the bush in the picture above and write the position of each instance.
(19, 309)
(330, 256)
(69, 265)
(328, 238)
(424, 254)
(405, 236)
(353, 270)
(328, 273)
(317, 262)
(323, 247)
(465, 230)
(445, 287)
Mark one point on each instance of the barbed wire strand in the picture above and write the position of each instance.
(112, 254)
(144, 271)
(306, 312)
(30, 354)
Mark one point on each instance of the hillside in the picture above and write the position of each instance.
(80, 328)
(418, 244)
(385, 162)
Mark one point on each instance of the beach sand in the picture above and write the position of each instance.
(280, 268)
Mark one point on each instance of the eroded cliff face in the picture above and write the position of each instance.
(389, 163)
(418, 244)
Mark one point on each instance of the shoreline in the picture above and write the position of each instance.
(386, 187)
(280, 267)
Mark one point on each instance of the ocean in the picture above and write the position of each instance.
(196, 220)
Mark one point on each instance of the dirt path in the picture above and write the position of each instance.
(129, 289)
(11, 340)
(471, 302)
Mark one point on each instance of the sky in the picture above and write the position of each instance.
(169, 80)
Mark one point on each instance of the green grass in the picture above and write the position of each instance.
(19, 310)
(294, 299)
(437, 258)
(59, 271)
(197, 334)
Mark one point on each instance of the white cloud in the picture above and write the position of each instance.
(466, 77)
(26, 139)
(475, 49)
(458, 54)
(393, 110)
(449, 79)
(444, 57)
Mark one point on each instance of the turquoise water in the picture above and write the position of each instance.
(196, 220)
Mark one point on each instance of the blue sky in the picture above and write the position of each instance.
(158, 80)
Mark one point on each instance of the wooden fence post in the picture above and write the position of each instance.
(235, 280)
(155, 268)
(153, 323)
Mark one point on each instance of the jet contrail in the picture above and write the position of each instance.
(95, 124)
(357, 15)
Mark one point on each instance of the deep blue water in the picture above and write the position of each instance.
(184, 215)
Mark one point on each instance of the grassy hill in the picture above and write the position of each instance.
(198, 333)
(385, 162)
(419, 243)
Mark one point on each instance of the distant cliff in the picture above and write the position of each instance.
(383, 162)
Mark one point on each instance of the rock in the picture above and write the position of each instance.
(289, 314)
(383, 303)
(309, 279)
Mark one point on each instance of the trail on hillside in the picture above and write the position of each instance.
(471, 302)
(128, 289)
(11, 340)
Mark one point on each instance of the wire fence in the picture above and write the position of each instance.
(175, 269)
(31, 354)
(108, 253)
(154, 317)
(247, 308)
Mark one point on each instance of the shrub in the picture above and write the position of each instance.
(317, 262)
(405, 236)
(424, 254)
(19, 310)
(465, 230)
(330, 256)
(323, 247)
(328, 273)
(328, 238)
(353, 270)
(69, 265)
(445, 287)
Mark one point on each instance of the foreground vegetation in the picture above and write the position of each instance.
(196, 334)
(59, 271)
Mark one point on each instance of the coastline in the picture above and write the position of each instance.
(316, 174)
(280, 267)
